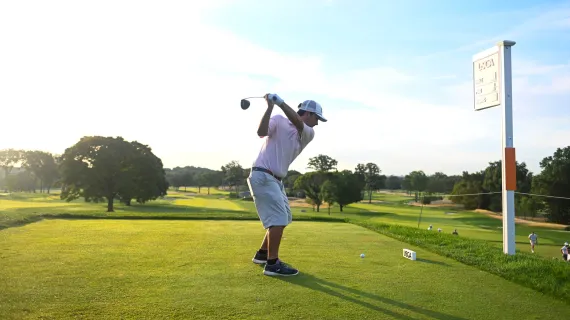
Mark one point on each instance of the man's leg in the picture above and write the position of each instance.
(276, 232)
(274, 266)
(261, 254)
(257, 183)
(275, 235)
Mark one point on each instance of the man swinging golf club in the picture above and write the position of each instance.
(285, 138)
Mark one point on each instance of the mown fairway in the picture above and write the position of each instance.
(385, 208)
(109, 269)
(166, 266)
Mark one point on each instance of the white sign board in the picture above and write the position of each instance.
(409, 254)
(487, 79)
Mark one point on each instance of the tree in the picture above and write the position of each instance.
(418, 182)
(42, 165)
(370, 173)
(492, 182)
(407, 184)
(98, 168)
(9, 158)
(528, 206)
(311, 183)
(145, 179)
(187, 180)
(329, 193)
(394, 182)
(233, 174)
(469, 185)
(554, 180)
(176, 180)
(211, 179)
(348, 187)
(437, 182)
(322, 163)
(289, 181)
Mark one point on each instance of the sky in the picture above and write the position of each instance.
(394, 78)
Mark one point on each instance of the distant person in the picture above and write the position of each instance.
(285, 138)
(430, 227)
(533, 240)
(439, 230)
(455, 232)
(564, 251)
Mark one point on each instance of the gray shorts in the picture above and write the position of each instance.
(270, 199)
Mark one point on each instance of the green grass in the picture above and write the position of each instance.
(478, 244)
(209, 203)
(202, 269)
(550, 276)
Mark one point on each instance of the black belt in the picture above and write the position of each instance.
(266, 171)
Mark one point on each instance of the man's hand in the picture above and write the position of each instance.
(289, 112)
(274, 98)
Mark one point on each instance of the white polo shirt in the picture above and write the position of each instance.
(282, 145)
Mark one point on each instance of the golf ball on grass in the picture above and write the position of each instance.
(362, 255)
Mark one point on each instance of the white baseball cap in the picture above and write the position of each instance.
(314, 107)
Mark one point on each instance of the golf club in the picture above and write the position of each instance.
(245, 102)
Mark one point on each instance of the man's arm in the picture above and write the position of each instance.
(289, 112)
(293, 116)
(263, 128)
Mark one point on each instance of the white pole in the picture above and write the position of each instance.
(508, 162)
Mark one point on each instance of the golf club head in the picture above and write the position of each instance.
(244, 104)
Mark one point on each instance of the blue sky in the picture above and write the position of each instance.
(394, 78)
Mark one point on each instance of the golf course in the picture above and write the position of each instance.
(188, 256)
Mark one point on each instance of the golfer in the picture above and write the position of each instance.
(285, 138)
(533, 240)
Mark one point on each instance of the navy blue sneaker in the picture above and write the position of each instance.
(259, 258)
(279, 269)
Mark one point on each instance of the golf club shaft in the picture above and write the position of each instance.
(253, 98)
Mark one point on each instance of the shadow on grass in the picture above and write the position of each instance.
(342, 292)
(432, 262)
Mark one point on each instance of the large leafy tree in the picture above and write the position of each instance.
(234, 174)
(348, 188)
(465, 190)
(98, 168)
(329, 192)
(311, 183)
(322, 163)
(554, 180)
(369, 173)
(492, 182)
(146, 179)
(418, 182)
(43, 167)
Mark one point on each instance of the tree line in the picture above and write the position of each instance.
(96, 169)
(105, 168)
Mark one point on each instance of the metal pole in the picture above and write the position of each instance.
(508, 159)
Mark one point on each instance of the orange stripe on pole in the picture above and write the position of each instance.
(510, 169)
